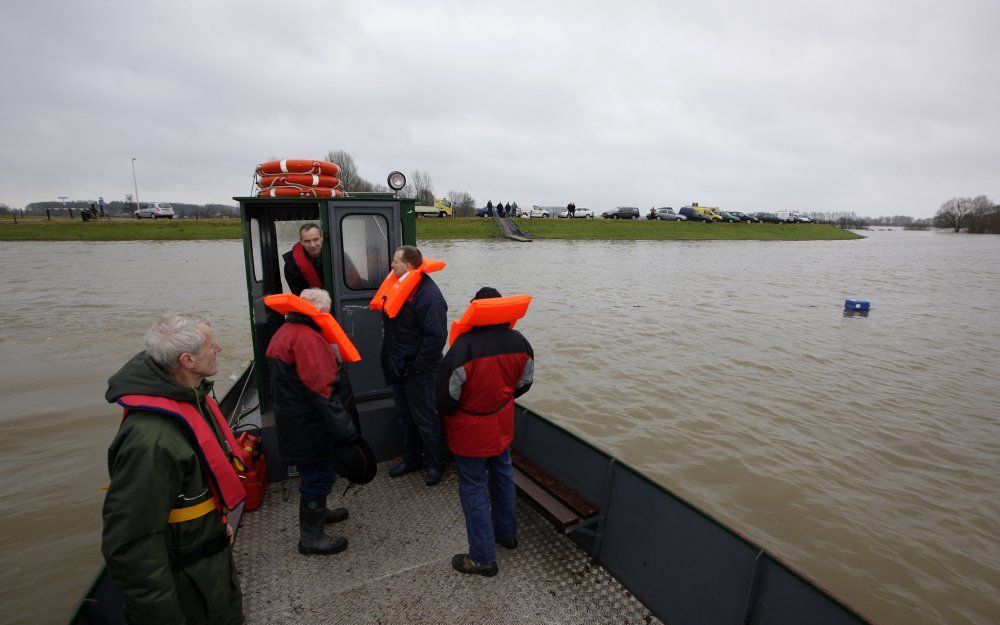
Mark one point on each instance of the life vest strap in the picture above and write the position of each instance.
(180, 515)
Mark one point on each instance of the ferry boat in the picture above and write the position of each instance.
(599, 541)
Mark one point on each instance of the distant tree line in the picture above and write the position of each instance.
(127, 208)
(418, 185)
(977, 215)
(853, 221)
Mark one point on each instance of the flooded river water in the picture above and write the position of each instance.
(863, 450)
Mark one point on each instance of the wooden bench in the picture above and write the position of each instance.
(560, 505)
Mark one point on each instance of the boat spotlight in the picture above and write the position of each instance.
(396, 180)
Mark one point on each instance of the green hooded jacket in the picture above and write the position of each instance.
(154, 468)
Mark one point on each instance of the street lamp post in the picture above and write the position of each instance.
(135, 184)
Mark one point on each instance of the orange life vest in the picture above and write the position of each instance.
(488, 312)
(219, 465)
(285, 303)
(394, 291)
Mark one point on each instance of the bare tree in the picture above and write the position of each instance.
(958, 212)
(462, 204)
(350, 180)
(422, 188)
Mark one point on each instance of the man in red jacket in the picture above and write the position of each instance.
(311, 420)
(482, 373)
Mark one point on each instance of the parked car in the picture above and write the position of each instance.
(770, 218)
(742, 216)
(622, 212)
(580, 213)
(668, 214)
(481, 212)
(697, 213)
(535, 212)
(155, 210)
(729, 217)
(802, 219)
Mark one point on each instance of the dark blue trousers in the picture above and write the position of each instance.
(418, 419)
(486, 488)
(317, 478)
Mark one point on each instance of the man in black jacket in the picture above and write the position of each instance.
(311, 419)
(304, 263)
(411, 353)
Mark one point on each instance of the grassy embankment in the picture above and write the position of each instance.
(39, 229)
(638, 230)
(427, 229)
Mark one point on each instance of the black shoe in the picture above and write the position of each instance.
(403, 468)
(507, 543)
(433, 477)
(335, 516)
(312, 539)
(463, 564)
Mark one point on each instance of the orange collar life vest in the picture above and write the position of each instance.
(216, 462)
(285, 303)
(394, 291)
(488, 312)
(306, 267)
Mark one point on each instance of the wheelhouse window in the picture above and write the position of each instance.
(365, 251)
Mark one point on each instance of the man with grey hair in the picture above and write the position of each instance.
(312, 418)
(166, 539)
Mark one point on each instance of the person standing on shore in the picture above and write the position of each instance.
(166, 539)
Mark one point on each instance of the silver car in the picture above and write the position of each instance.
(668, 214)
(155, 210)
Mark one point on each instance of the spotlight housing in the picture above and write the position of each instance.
(396, 180)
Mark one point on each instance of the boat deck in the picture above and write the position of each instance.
(397, 569)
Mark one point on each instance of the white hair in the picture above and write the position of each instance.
(317, 297)
(175, 334)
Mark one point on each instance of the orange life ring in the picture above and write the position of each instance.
(285, 303)
(299, 180)
(300, 192)
(298, 166)
(391, 296)
(488, 312)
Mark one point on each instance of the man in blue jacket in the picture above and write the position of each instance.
(411, 353)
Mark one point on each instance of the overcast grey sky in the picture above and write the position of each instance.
(876, 107)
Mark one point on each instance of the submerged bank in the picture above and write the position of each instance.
(429, 229)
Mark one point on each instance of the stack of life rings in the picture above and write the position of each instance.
(298, 178)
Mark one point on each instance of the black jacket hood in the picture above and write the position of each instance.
(141, 376)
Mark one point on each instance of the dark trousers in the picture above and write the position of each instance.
(486, 488)
(418, 419)
(317, 479)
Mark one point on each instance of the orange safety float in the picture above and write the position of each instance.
(488, 312)
(394, 291)
(298, 166)
(285, 303)
(299, 180)
(300, 192)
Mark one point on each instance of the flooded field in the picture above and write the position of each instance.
(863, 450)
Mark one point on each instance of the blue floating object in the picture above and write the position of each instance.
(857, 304)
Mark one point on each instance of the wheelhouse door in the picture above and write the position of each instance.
(363, 237)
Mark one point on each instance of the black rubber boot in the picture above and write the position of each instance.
(312, 539)
(336, 515)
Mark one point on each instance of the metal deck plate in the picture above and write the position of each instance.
(397, 569)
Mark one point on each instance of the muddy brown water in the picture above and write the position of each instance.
(863, 450)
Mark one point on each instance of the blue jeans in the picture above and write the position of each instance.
(418, 419)
(317, 479)
(486, 488)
